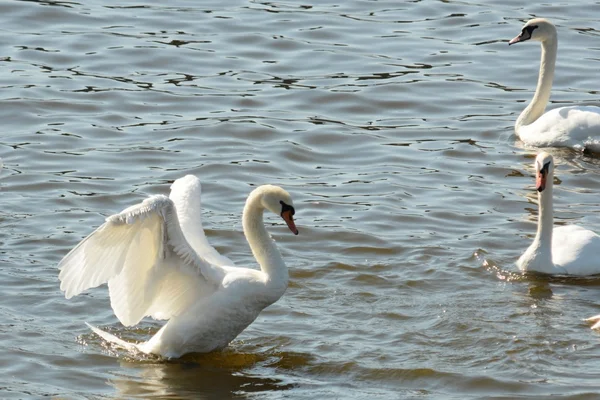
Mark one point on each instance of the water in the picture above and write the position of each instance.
(391, 125)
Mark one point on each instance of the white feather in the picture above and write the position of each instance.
(134, 251)
(577, 127)
(186, 194)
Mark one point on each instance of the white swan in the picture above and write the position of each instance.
(158, 262)
(564, 250)
(575, 126)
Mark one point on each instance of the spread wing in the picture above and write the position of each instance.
(186, 193)
(148, 264)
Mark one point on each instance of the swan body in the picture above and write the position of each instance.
(577, 127)
(157, 262)
(565, 250)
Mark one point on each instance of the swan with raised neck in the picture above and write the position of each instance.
(538, 256)
(157, 262)
(572, 126)
(278, 201)
(564, 250)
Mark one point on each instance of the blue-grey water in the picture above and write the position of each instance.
(390, 122)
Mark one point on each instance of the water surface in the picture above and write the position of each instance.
(391, 123)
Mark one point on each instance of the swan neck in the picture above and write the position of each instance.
(538, 256)
(537, 106)
(545, 219)
(263, 247)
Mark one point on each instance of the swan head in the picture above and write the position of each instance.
(544, 169)
(538, 29)
(279, 201)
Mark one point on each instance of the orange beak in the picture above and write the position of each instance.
(514, 40)
(540, 181)
(289, 220)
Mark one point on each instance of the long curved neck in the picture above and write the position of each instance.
(538, 256)
(263, 248)
(546, 218)
(537, 106)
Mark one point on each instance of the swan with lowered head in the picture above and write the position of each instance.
(564, 250)
(577, 127)
(158, 263)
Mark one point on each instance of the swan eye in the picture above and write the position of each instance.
(527, 32)
(530, 29)
(545, 168)
(286, 207)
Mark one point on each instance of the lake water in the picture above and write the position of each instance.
(390, 123)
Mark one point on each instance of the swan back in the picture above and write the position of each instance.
(573, 126)
(575, 249)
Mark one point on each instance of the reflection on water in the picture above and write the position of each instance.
(208, 377)
(218, 375)
(540, 290)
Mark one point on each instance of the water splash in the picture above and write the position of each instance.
(493, 267)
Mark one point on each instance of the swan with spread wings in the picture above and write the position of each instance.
(157, 262)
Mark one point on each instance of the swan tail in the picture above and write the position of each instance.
(113, 339)
(596, 320)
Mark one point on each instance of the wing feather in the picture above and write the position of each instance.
(148, 264)
(186, 194)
